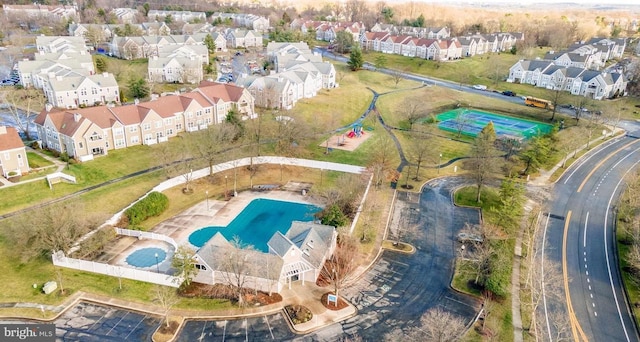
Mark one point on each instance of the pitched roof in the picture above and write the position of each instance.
(312, 239)
(279, 244)
(225, 92)
(10, 139)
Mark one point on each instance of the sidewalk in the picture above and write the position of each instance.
(57, 163)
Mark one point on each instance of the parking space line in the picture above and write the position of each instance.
(246, 330)
(202, 333)
(266, 318)
(134, 328)
(224, 330)
(115, 325)
(96, 322)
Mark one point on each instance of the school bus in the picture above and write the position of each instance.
(540, 103)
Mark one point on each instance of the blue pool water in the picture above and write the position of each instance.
(146, 257)
(257, 223)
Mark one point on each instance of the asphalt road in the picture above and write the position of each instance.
(580, 239)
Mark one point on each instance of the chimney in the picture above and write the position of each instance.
(76, 117)
(136, 101)
(3, 129)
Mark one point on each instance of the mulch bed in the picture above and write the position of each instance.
(219, 291)
(298, 313)
(331, 306)
(170, 330)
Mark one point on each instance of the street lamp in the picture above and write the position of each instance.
(157, 264)
(207, 195)
(226, 189)
(439, 162)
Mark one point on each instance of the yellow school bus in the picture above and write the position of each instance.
(540, 103)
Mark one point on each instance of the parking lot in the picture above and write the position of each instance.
(92, 322)
(266, 328)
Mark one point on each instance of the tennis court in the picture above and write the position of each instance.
(472, 121)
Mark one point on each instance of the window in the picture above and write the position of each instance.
(7, 156)
(199, 113)
(118, 131)
(135, 139)
(179, 127)
(80, 145)
(189, 114)
(133, 129)
(158, 124)
(119, 143)
(168, 121)
(146, 127)
(169, 132)
(20, 161)
(95, 137)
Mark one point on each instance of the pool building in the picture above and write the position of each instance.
(297, 255)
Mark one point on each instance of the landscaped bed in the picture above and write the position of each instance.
(219, 291)
(298, 314)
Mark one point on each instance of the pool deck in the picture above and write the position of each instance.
(219, 213)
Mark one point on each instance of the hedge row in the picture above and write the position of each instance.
(152, 205)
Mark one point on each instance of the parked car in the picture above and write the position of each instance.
(479, 87)
(508, 93)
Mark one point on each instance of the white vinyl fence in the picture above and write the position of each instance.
(59, 259)
(147, 235)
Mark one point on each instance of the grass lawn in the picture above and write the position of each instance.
(37, 161)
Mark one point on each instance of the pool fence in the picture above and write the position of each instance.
(61, 260)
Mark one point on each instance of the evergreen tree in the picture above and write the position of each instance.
(356, 61)
(483, 161)
(138, 88)
(210, 44)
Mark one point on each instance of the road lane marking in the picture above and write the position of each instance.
(575, 325)
(584, 161)
(609, 156)
(544, 298)
(584, 238)
(606, 248)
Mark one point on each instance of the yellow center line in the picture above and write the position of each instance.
(576, 329)
(602, 162)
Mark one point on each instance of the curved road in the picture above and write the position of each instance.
(580, 239)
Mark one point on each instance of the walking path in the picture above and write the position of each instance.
(57, 163)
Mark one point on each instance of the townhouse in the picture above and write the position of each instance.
(417, 32)
(250, 21)
(578, 81)
(88, 132)
(59, 12)
(148, 46)
(52, 44)
(125, 15)
(13, 155)
(241, 38)
(73, 91)
(34, 73)
(299, 74)
(328, 30)
(185, 16)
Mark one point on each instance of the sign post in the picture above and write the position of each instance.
(332, 298)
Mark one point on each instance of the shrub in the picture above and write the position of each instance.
(152, 205)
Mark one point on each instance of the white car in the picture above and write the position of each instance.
(479, 87)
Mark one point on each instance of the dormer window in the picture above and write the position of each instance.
(310, 243)
(306, 252)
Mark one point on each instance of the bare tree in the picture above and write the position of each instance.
(381, 159)
(209, 143)
(52, 228)
(421, 151)
(236, 265)
(338, 270)
(22, 104)
(166, 297)
(439, 326)
(413, 110)
(177, 159)
(461, 121)
(397, 76)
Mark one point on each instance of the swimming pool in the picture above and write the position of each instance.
(146, 257)
(257, 222)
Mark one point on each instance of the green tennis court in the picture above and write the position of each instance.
(472, 121)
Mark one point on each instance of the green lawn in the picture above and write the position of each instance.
(37, 161)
